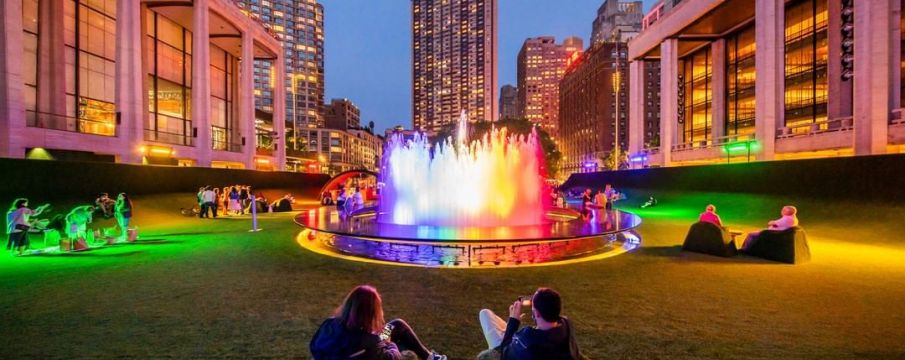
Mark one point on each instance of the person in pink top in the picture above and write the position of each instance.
(788, 220)
(709, 215)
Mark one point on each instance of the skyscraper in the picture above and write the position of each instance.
(541, 65)
(508, 102)
(300, 25)
(617, 20)
(454, 61)
(589, 114)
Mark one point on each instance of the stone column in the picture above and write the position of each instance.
(130, 78)
(669, 101)
(246, 99)
(279, 111)
(873, 75)
(12, 107)
(637, 107)
(51, 97)
(839, 92)
(201, 81)
(718, 91)
(769, 110)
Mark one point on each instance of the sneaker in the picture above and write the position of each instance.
(435, 356)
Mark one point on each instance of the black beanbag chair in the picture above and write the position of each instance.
(283, 205)
(708, 238)
(789, 246)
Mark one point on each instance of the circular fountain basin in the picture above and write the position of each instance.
(564, 238)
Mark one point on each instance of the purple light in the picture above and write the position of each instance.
(640, 158)
(590, 164)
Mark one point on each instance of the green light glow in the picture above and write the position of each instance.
(741, 146)
(38, 154)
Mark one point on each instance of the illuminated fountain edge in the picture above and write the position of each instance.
(566, 239)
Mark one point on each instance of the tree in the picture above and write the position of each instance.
(609, 161)
(552, 156)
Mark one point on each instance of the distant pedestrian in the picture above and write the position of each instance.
(124, 215)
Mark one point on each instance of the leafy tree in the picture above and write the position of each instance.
(609, 161)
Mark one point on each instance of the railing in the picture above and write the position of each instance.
(713, 142)
(74, 124)
(897, 117)
(809, 129)
(169, 137)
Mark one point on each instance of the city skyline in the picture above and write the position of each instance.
(368, 58)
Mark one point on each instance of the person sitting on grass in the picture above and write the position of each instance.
(551, 338)
(709, 215)
(357, 331)
(788, 220)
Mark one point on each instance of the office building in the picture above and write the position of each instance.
(541, 65)
(617, 20)
(508, 102)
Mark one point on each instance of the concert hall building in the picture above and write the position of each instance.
(149, 81)
(745, 80)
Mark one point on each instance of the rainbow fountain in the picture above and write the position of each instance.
(468, 205)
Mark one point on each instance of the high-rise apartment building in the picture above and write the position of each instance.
(454, 61)
(594, 103)
(508, 102)
(617, 20)
(541, 65)
(342, 114)
(300, 25)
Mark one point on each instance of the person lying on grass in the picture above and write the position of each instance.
(551, 338)
(357, 331)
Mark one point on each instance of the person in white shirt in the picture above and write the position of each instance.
(788, 220)
(208, 197)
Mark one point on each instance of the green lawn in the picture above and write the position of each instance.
(209, 288)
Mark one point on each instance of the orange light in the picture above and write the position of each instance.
(154, 150)
(262, 161)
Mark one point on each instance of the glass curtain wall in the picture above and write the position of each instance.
(90, 38)
(740, 84)
(223, 91)
(170, 81)
(697, 98)
(806, 65)
(30, 59)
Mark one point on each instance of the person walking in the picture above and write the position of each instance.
(243, 198)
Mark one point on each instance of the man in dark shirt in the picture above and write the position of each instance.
(551, 338)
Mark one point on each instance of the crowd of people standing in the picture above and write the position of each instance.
(232, 200)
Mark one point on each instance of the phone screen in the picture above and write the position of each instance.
(385, 333)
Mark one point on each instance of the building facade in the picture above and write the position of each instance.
(508, 102)
(454, 61)
(541, 65)
(342, 114)
(300, 26)
(813, 78)
(593, 104)
(617, 20)
(123, 81)
(336, 151)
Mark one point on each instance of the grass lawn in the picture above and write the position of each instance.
(208, 288)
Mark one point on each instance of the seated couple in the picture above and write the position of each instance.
(788, 220)
(357, 331)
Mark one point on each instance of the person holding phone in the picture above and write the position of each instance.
(551, 337)
(357, 331)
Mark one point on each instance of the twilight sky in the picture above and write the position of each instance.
(368, 48)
